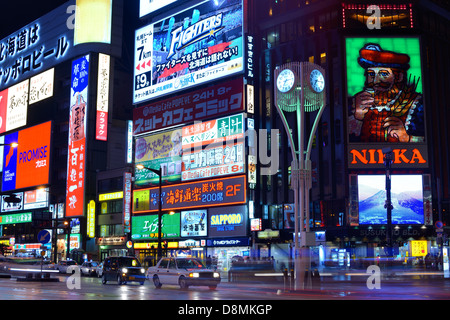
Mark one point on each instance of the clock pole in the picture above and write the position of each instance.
(306, 95)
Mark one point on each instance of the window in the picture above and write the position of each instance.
(164, 263)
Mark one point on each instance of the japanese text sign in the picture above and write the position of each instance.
(210, 193)
(77, 138)
(215, 101)
(193, 47)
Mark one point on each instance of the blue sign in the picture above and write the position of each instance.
(44, 236)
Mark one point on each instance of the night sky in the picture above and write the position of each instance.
(16, 14)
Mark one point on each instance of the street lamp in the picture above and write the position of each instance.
(12, 144)
(388, 205)
(159, 173)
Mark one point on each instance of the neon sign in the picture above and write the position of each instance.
(203, 194)
(403, 156)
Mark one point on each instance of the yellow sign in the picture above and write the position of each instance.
(91, 219)
(93, 21)
(148, 245)
(419, 248)
(110, 196)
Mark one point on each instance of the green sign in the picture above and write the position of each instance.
(146, 227)
(15, 218)
(355, 74)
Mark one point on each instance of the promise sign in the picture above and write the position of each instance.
(28, 164)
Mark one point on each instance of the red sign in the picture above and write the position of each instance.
(76, 166)
(198, 105)
(208, 193)
(3, 106)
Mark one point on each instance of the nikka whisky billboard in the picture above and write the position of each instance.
(385, 103)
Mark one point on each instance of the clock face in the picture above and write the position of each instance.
(285, 80)
(317, 81)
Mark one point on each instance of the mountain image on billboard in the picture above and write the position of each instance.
(406, 198)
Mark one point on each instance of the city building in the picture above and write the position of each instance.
(193, 100)
(64, 100)
(189, 55)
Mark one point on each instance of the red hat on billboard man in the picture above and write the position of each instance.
(385, 78)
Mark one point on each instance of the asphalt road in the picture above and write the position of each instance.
(343, 286)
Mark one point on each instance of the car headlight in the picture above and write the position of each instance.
(216, 275)
(142, 270)
(124, 270)
(194, 275)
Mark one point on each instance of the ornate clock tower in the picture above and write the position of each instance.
(300, 88)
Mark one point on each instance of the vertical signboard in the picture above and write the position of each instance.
(101, 128)
(77, 137)
(17, 106)
(127, 182)
(91, 219)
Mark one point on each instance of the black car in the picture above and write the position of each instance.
(123, 270)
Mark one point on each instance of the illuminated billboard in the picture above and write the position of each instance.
(228, 221)
(384, 89)
(146, 227)
(36, 47)
(162, 150)
(407, 198)
(28, 164)
(104, 66)
(76, 162)
(193, 47)
(214, 101)
(149, 6)
(93, 21)
(14, 106)
(41, 86)
(214, 131)
(221, 160)
(211, 193)
(193, 223)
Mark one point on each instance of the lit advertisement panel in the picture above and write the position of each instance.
(37, 47)
(149, 6)
(221, 160)
(214, 131)
(93, 21)
(17, 106)
(211, 193)
(195, 46)
(407, 198)
(77, 137)
(228, 221)
(41, 86)
(193, 223)
(28, 164)
(214, 101)
(35, 199)
(162, 150)
(3, 109)
(146, 227)
(101, 128)
(384, 89)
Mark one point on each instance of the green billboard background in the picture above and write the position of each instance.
(355, 73)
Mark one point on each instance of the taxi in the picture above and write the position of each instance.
(184, 272)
